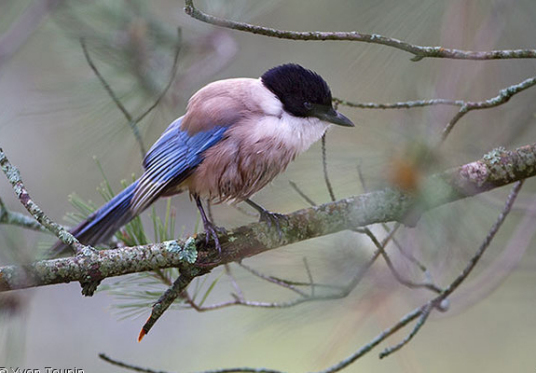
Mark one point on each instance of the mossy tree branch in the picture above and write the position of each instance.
(497, 168)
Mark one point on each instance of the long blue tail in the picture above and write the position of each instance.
(103, 223)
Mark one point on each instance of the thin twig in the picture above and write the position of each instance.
(361, 176)
(132, 124)
(503, 96)
(310, 275)
(273, 280)
(20, 220)
(170, 81)
(128, 366)
(425, 312)
(136, 368)
(325, 169)
(302, 194)
(465, 106)
(374, 342)
(439, 300)
(361, 272)
(405, 254)
(385, 227)
(239, 300)
(419, 52)
(399, 105)
(233, 281)
(13, 175)
(487, 241)
(163, 303)
(398, 276)
(341, 293)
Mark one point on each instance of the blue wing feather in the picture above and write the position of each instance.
(171, 160)
(163, 144)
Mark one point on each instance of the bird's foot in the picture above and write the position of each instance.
(212, 230)
(273, 219)
(270, 218)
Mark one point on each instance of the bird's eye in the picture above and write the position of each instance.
(307, 105)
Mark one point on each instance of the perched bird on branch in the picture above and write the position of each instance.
(236, 136)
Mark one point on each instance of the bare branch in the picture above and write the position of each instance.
(425, 312)
(172, 293)
(465, 106)
(438, 301)
(398, 276)
(128, 366)
(374, 342)
(325, 169)
(250, 240)
(18, 219)
(133, 125)
(301, 193)
(399, 105)
(136, 368)
(487, 241)
(13, 176)
(170, 81)
(496, 169)
(273, 280)
(310, 275)
(133, 122)
(419, 52)
(503, 96)
(233, 281)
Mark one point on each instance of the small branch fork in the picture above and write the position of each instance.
(13, 176)
(465, 106)
(17, 219)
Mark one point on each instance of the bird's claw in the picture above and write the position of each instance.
(273, 218)
(213, 230)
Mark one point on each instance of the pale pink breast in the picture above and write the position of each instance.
(239, 165)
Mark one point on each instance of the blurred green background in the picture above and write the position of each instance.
(56, 117)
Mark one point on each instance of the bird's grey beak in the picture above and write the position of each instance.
(333, 116)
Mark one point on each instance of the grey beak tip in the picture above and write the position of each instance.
(334, 117)
(344, 121)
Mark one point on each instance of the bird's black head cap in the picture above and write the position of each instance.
(299, 89)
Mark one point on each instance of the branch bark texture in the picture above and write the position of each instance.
(497, 168)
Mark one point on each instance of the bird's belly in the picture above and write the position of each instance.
(232, 172)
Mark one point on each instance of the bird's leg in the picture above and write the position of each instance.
(269, 217)
(210, 228)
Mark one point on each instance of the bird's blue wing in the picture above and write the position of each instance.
(171, 160)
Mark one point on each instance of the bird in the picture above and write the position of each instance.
(235, 137)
